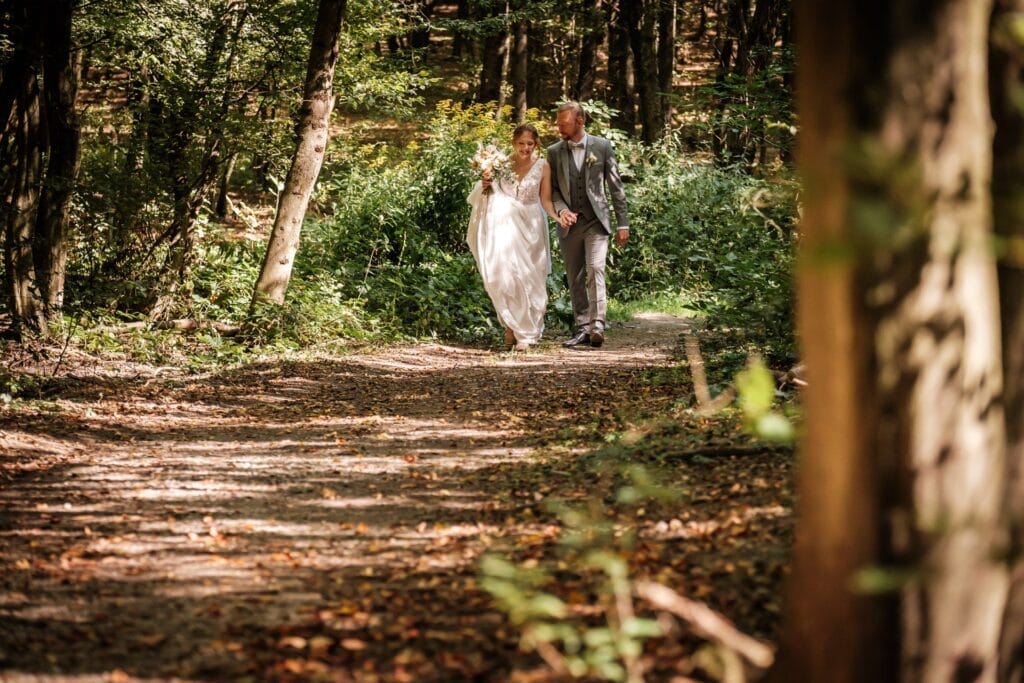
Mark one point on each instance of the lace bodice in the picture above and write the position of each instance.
(527, 190)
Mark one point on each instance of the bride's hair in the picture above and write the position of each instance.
(526, 128)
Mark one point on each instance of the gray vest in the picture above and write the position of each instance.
(580, 201)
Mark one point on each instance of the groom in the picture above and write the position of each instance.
(581, 166)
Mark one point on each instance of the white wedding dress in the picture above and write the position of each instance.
(508, 235)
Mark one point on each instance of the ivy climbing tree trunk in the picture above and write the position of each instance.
(896, 571)
(313, 132)
(1006, 87)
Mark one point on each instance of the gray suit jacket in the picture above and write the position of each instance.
(601, 169)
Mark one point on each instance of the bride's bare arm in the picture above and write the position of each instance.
(545, 192)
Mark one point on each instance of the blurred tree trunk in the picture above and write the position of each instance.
(460, 41)
(538, 83)
(595, 22)
(727, 143)
(1006, 87)
(896, 571)
(666, 56)
(493, 60)
(620, 66)
(313, 132)
(519, 68)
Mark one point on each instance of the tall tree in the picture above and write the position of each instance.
(594, 24)
(643, 32)
(1006, 87)
(620, 70)
(313, 132)
(896, 575)
(196, 129)
(39, 141)
(494, 53)
(666, 56)
(519, 68)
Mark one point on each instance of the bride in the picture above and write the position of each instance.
(508, 236)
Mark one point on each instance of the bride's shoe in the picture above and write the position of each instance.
(522, 346)
(510, 337)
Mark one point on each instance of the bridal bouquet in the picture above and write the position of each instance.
(489, 160)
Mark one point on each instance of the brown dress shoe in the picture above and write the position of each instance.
(597, 338)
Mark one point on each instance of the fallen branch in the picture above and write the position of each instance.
(181, 324)
(724, 451)
(707, 623)
(705, 404)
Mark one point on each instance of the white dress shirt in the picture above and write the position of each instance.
(578, 153)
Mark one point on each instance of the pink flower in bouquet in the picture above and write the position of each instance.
(489, 160)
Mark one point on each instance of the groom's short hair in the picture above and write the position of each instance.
(575, 107)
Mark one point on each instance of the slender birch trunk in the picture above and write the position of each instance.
(313, 135)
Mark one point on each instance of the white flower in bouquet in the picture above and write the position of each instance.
(489, 160)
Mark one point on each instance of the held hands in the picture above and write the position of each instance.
(566, 219)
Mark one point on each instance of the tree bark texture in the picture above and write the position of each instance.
(895, 573)
(643, 41)
(39, 151)
(313, 135)
(61, 72)
(1006, 87)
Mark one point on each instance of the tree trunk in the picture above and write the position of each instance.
(620, 67)
(643, 40)
(23, 146)
(896, 575)
(1006, 76)
(313, 132)
(460, 41)
(25, 301)
(191, 188)
(61, 72)
(592, 39)
(732, 25)
(666, 56)
(518, 69)
(492, 69)
(223, 201)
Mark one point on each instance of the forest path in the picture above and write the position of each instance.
(323, 519)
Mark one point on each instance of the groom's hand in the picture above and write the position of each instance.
(566, 219)
(622, 236)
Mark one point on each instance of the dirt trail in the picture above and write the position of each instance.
(315, 520)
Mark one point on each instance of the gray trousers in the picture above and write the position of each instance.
(584, 251)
